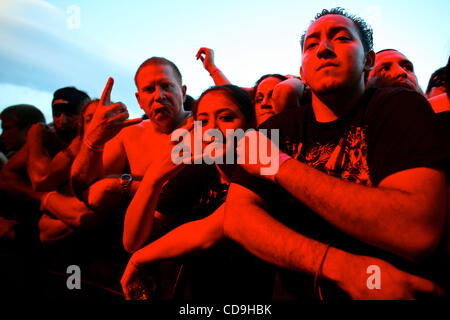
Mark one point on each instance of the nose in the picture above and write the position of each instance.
(267, 102)
(211, 125)
(325, 49)
(159, 93)
(398, 72)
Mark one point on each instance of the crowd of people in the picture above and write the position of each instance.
(356, 208)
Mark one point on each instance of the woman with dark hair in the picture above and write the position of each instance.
(195, 197)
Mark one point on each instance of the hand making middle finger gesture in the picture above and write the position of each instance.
(109, 118)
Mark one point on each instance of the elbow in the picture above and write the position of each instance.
(40, 185)
(129, 246)
(422, 245)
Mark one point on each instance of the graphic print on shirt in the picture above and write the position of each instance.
(346, 159)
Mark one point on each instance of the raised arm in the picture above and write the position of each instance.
(247, 222)
(48, 173)
(13, 179)
(106, 123)
(206, 55)
(139, 218)
(287, 94)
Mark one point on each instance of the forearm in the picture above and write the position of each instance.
(70, 210)
(51, 230)
(16, 186)
(87, 168)
(39, 162)
(56, 172)
(262, 235)
(218, 76)
(189, 238)
(138, 223)
(384, 217)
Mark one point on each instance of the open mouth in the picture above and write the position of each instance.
(160, 112)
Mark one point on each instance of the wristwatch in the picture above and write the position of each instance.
(125, 181)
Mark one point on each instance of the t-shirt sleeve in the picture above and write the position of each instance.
(404, 133)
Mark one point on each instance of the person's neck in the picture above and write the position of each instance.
(330, 107)
(225, 173)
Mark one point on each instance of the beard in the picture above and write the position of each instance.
(67, 134)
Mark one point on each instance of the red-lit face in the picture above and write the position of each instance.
(160, 95)
(89, 113)
(65, 121)
(333, 55)
(217, 111)
(396, 67)
(264, 108)
(13, 136)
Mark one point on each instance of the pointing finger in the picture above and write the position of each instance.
(131, 122)
(106, 95)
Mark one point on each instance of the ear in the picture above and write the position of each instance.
(184, 90)
(370, 61)
(138, 98)
(302, 76)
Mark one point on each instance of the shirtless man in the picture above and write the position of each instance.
(98, 174)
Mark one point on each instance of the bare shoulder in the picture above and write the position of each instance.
(136, 128)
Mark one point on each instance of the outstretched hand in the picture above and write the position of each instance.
(136, 285)
(206, 55)
(109, 118)
(394, 284)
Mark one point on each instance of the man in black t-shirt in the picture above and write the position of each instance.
(359, 170)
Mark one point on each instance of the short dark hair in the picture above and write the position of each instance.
(239, 96)
(437, 79)
(388, 50)
(364, 30)
(159, 61)
(25, 115)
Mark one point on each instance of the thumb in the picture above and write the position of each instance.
(131, 122)
(426, 286)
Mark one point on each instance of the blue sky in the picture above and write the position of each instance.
(43, 47)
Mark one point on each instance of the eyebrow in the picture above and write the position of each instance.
(384, 64)
(332, 31)
(217, 112)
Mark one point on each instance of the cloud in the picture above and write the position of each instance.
(38, 51)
